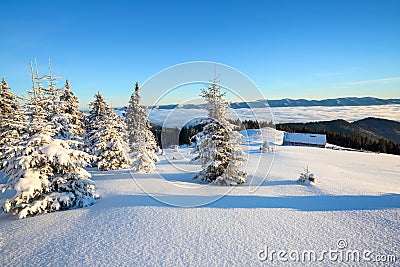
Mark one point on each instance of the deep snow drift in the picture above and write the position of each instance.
(356, 199)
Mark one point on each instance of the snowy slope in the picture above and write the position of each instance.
(357, 198)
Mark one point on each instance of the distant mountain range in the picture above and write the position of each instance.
(287, 102)
(344, 101)
(373, 128)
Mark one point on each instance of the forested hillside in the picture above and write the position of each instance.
(370, 134)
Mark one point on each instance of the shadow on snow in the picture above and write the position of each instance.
(301, 203)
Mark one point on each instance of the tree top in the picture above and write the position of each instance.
(136, 87)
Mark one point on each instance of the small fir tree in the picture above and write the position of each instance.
(307, 176)
(266, 147)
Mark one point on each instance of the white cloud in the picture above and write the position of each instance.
(341, 87)
(383, 80)
(329, 74)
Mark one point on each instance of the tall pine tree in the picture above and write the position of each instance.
(218, 144)
(141, 140)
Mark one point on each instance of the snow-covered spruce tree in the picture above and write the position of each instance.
(46, 173)
(307, 176)
(62, 110)
(218, 144)
(45, 107)
(69, 119)
(52, 105)
(98, 112)
(12, 118)
(8, 103)
(142, 143)
(40, 106)
(106, 136)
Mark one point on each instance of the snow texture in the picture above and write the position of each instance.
(46, 175)
(357, 198)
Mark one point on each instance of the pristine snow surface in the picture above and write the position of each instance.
(356, 198)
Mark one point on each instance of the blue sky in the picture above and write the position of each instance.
(296, 49)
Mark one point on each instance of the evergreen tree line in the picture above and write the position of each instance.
(348, 140)
(42, 150)
(46, 141)
(251, 124)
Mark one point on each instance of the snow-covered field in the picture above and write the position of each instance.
(356, 201)
(179, 116)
